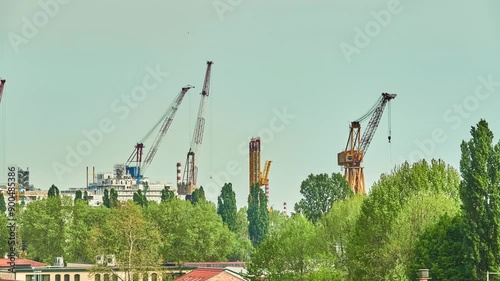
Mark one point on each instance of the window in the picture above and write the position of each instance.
(154, 277)
(97, 277)
(106, 277)
(76, 277)
(114, 277)
(145, 277)
(58, 277)
(37, 277)
(66, 277)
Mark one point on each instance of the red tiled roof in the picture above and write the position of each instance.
(5, 262)
(200, 274)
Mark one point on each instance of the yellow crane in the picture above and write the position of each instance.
(352, 157)
(264, 176)
(256, 175)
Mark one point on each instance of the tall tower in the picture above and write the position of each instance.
(254, 148)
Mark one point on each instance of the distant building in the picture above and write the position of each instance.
(23, 178)
(29, 270)
(124, 183)
(211, 274)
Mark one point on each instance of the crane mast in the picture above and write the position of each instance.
(188, 184)
(2, 83)
(357, 145)
(165, 121)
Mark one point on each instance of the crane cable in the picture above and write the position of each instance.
(389, 119)
(390, 133)
(370, 112)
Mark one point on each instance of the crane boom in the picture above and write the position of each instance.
(264, 176)
(374, 121)
(166, 121)
(200, 121)
(164, 128)
(2, 83)
(188, 184)
(352, 157)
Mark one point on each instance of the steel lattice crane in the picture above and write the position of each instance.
(2, 83)
(137, 170)
(188, 184)
(352, 157)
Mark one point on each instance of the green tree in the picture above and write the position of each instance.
(5, 232)
(77, 231)
(320, 192)
(335, 229)
(440, 249)
(3, 205)
(242, 246)
(113, 198)
(198, 195)
(191, 232)
(53, 191)
(257, 214)
(276, 220)
(140, 199)
(480, 194)
(227, 206)
(78, 195)
(105, 199)
(167, 194)
(131, 237)
(86, 196)
(383, 206)
(291, 253)
(42, 227)
(419, 212)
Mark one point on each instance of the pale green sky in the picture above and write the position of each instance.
(268, 55)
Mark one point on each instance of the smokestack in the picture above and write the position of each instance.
(87, 177)
(93, 174)
(284, 208)
(178, 174)
(423, 275)
(267, 192)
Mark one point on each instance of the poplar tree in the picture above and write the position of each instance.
(480, 194)
(257, 214)
(167, 194)
(226, 206)
(198, 195)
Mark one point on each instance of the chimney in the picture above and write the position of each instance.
(267, 192)
(178, 174)
(423, 275)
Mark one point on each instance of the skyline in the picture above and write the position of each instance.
(305, 60)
